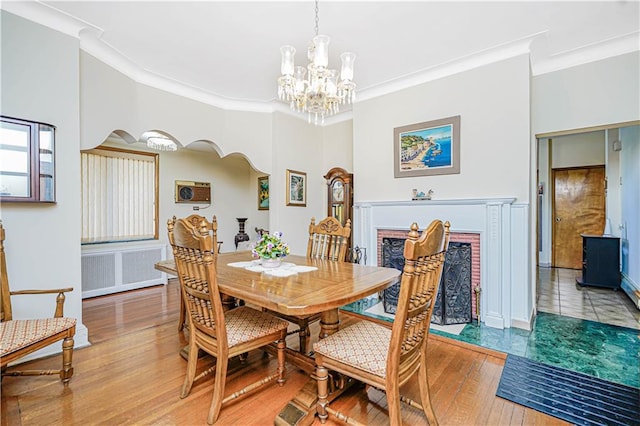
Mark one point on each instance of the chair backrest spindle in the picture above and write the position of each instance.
(193, 240)
(328, 239)
(424, 259)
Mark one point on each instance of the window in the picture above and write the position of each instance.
(119, 195)
(26, 161)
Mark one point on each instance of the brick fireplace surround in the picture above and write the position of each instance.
(501, 260)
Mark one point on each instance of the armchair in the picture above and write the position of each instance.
(21, 337)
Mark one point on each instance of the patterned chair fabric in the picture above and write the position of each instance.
(328, 240)
(219, 332)
(19, 337)
(383, 358)
(19, 334)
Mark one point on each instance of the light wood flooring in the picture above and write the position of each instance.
(132, 374)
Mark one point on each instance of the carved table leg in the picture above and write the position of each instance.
(301, 410)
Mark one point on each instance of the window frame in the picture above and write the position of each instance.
(34, 150)
(156, 194)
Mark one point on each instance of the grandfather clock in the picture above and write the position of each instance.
(340, 194)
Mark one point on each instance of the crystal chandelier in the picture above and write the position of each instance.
(316, 89)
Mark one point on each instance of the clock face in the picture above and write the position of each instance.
(186, 193)
(338, 192)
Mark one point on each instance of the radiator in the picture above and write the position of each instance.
(111, 270)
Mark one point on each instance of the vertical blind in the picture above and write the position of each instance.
(118, 196)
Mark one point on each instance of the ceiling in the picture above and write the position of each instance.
(226, 53)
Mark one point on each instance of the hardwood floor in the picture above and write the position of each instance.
(132, 374)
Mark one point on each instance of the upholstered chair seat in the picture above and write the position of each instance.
(246, 324)
(328, 240)
(221, 331)
(364, 346)
(21, 337)
(19, 334)
(387, 358)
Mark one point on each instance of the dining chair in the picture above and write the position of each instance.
(328, 240)
(387, 358)
(21, 337)
(228, 302)
(221, 333)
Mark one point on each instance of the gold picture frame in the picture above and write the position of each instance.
(263, 193)
(296, 188)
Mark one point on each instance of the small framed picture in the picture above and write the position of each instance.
(263, 193)
(296, 188)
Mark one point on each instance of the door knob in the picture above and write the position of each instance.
(558, 219)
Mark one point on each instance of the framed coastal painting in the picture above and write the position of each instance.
(263, 193)
(296, 188)
(426, 149)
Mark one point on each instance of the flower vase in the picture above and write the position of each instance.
(271, 262)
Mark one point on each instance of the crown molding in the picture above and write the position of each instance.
(456, 66)
(89, 37)
(590, 53)
(48, 16)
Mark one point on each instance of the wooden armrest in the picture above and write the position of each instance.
(50, 291)
(59, 299)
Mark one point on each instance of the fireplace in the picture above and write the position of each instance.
(497, 228)
(453, 300)
(460, 280)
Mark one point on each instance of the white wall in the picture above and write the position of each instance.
(598, 93)
(40, 82)
(543, 203)
(112, 101)
(630, 167)
(233, 192)
(337, 145)
(614, 188)
(299, 148)
(493, 103)
(579, 150)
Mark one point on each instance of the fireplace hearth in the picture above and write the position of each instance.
(453, 303)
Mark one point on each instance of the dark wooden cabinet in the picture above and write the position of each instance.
(600, 261)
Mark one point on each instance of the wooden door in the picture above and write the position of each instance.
(578, 208)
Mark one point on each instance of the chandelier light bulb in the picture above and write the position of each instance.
(346, 73)
(286, 67)
(321, 51)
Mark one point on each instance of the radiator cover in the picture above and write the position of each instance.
(112, 270)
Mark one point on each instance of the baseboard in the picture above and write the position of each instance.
(524, 324)
(632, 289)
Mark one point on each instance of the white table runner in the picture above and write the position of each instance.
(284, 270)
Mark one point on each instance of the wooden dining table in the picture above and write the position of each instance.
(323, 290)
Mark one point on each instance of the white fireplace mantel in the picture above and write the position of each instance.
(507, 298)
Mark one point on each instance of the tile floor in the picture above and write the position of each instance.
(559, 294)
(590, 330)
